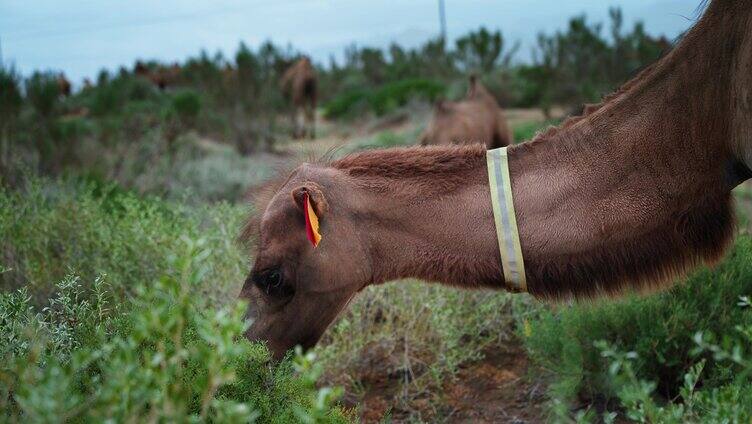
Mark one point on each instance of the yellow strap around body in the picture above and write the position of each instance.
(505, 219)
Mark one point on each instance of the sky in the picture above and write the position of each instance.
(80, 37)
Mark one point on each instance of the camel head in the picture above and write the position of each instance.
(297, 285)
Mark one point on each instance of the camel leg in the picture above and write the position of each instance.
(310, 120)
(297, 126)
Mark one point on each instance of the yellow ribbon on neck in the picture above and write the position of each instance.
(500, 184)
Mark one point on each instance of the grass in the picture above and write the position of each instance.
(525, 131)
(50, 228)
(126, 309)
(413, 337)
(115, 260)
(684, 355)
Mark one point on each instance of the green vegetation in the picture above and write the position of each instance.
(132, 122)
(418, 336)
(632, 353)
(171, 350)
(49, 228)
(527, 130)
(382, 140)
(570, 67)
(119, 270)
(384, 99)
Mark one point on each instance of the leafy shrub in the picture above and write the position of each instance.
(481, 50)
(396, 94)
(111, 96)
(695, 403)
(43, 92)
(385, 98)
(658, 330)
(98, 228)
(10, 108)
(418, 334)
(10, 95)
(164, 357)
(581, 65)
(187, 104)
(345, 104)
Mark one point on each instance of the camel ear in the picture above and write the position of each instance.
(311, 201)
(316, 196)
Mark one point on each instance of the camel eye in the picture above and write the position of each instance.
(273, 279)
(272, 283)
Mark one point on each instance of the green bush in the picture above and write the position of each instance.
(728, 403)
(160, 357)
(396, 94)
(187, 104)
(95, 228)
(422, 333)
(151, 330)
(345, 104)
(112, 96)
(43, 92)
(10, 95)
(10, 109)
(384, 99)
(658, 330)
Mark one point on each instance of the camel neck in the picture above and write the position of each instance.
(638, 191)
(631, 195)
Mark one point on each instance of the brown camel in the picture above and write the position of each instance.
(632, 195)
(476, 119)
(162, 77)
(63, 85)
(298, 83)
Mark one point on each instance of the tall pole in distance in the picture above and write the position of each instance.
(442, 21)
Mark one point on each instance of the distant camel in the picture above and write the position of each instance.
(475, 119)
(631, 195)
(63, 85)
(161, 76)
(298, 83)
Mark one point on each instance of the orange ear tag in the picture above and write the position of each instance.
(311, 223)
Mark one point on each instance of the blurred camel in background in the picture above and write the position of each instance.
(476, 119)
(63, 85)
(298, 84)
(161, 76)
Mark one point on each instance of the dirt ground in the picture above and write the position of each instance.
(496, 389)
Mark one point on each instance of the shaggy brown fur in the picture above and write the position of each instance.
(299, 84)
(628, 197)
(476, 119)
